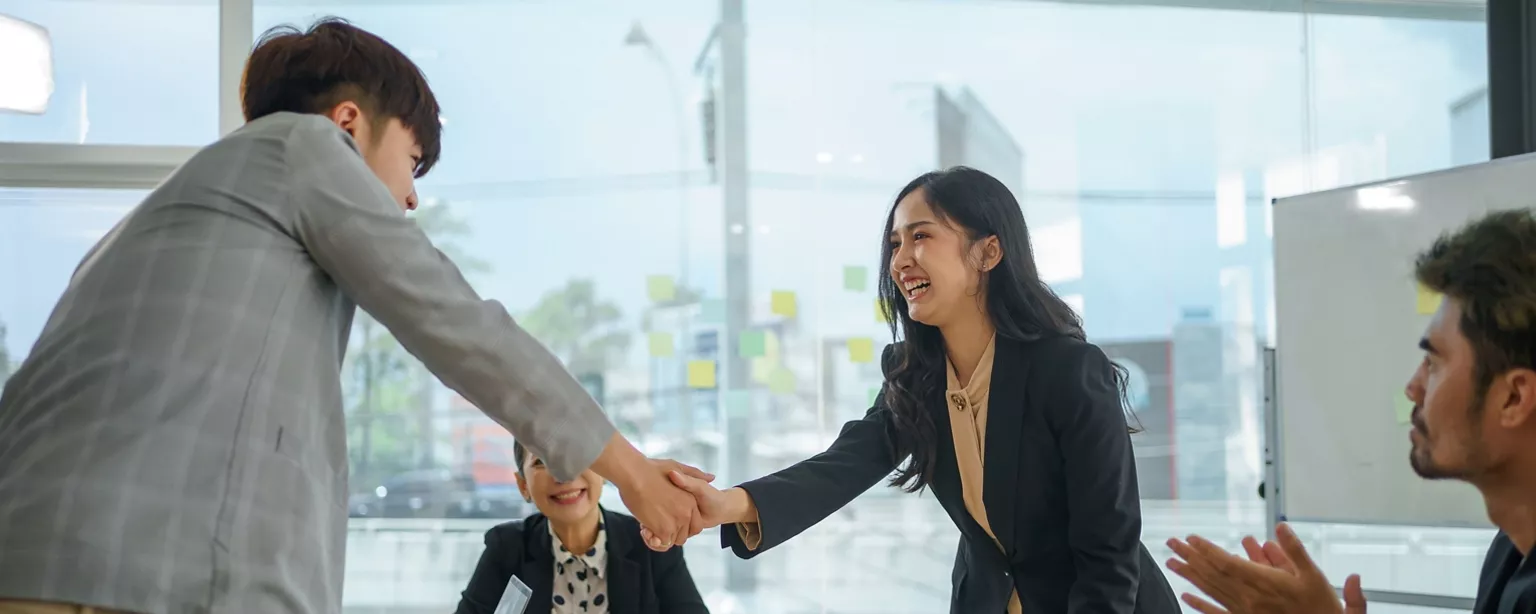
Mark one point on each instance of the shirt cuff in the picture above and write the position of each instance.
(751, 533)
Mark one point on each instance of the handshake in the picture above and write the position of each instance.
(672, 501)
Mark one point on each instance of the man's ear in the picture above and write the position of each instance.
(1519, 407)
(348, 116)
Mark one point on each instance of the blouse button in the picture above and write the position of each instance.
(958, 400)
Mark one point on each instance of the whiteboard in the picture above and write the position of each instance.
(1347, 328)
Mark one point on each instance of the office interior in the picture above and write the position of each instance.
(647, 184)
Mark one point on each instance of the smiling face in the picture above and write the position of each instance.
(565, 503)
(936, 266)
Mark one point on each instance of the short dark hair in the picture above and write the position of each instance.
(312, 71)
(521, 453)
(1489, 267)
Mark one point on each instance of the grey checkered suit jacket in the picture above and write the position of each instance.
(174, 442)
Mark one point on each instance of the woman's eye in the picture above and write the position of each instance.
(920, 235)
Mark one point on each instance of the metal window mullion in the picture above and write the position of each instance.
(68, 165)
(236, 35)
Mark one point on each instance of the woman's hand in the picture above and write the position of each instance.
(716, 507)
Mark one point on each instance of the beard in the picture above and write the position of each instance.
(1422, 456)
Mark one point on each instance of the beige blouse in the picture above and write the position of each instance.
(968, 422)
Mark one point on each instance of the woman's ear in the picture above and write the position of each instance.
(522, 487)
(991, 253)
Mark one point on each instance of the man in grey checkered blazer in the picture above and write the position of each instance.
(174, 442)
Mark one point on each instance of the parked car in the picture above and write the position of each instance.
(438, 493)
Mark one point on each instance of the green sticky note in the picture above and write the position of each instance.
(784, 304)
(712, 311)
(662, 345)
(1404, 408)
(854, 278)
(661, 288)
(873, 393)
(751, 344)
(738, 403)
(782, 381)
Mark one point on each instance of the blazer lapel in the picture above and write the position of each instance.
(946, 469)
(624, 558)
(1005, 423)
(538, 570)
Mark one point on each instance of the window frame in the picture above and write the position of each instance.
(70, 165)
(64, 165)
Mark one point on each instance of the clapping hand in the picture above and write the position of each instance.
(1276, 578)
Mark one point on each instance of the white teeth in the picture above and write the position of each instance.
(568, 496)
(913, 284)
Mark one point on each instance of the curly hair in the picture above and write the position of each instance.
(1489, 268)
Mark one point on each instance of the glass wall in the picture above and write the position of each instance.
(124, 73)
(581, 185)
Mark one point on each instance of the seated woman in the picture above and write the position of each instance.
(577, 557)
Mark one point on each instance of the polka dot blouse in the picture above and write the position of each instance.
(581, 578)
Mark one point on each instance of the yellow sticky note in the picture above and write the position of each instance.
(861, 349)
(701, 374)
(782, 381)
(1403, 407)
(661, 345)
(1428, 301)
(880, 312)
(784, 303)
(661, 288)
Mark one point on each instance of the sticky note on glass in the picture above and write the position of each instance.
(661, 288)
(880, 315)
(1428, 301)
(712, 311)
(854, 278)
(861, 349)
(873, 394)
(738, 403)
(781, 381)
(783, 303)
(662, 345)
(1403, 407)
(701, 374)
(751, 344)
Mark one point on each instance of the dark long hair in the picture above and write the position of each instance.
(1020, 305)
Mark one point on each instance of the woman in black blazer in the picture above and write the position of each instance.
(997, 404)
(577, 557)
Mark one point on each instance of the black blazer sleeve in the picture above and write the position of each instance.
(1103, 506)
(489, 581)
(797, 497)
(675, 590)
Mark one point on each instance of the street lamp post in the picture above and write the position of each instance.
(638, 37)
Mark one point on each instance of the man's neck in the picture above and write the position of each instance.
(1511, 503)
(577, 537)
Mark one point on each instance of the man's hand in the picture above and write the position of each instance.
(1276, 579)
(716, 507)
(671, 514)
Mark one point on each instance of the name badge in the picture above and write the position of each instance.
(515, 599)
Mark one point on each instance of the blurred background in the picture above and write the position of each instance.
(684, 200)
